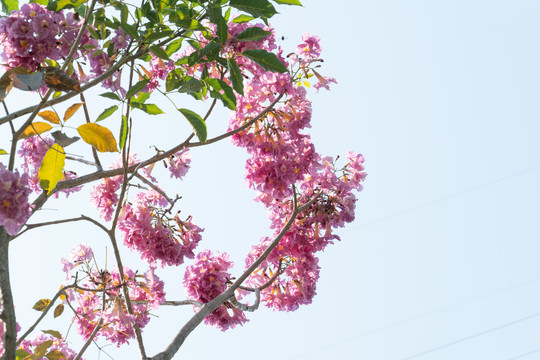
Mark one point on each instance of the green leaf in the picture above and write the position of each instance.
(159, 35)
(64, 4)
(253, 34)
(159, 52)
(235, 76)
(288, 2)
(130, 29)
(151, 109)
(227, 97)
(54, 333)
(3, 152)
(9, 5)
(50, 172)
(222, 30)
(191, 86)
(257, 8)
(136, 88)
(123, 132)
(196, 122)
(173, 46)
(266, 60)
(141, 97)
(111, 95)
(210, 51)
(242, 19)
(107, 112)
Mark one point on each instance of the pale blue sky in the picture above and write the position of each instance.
(442, 262)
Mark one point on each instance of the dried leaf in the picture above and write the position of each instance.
(71, 110)
(50, 116)
(27, 81)
(58, 310)
(62, 139)
(5, 85)
(58, 80)
(35, 128)
(41, 304)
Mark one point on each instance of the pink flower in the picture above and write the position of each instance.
(157, 237)
(81, 253)
(59, 345)
(14, 206)
(310, 47)
(179, 163)
(205, 279)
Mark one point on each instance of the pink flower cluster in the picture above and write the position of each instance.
(204, 280)
(104, 195)
(282, 156)
(147, 228)
(14, 206)
(33, 34)
(145, 291)
(58, 345)
(32, 152)
(179, 163)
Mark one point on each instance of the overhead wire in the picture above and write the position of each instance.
(481, 333)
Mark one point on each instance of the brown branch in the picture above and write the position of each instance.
(94, 151)
(55, 222)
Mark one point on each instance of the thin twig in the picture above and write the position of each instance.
(55, 222)
(44, 313)
(94, 151)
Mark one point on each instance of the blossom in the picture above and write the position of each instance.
(156, 236)
(93, 307)
(81, 253)
(14, 206)
(310, 47)
(204, 280)
(58, 345)
(179, 163)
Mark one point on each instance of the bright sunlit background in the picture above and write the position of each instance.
(442, 261)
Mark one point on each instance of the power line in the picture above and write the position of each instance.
(525, 354)
(491, 293)
(481, 333)
(448, 197)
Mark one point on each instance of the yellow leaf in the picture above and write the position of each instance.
(40, 350)
(51, 168)
(35, 128)
(71, 110)
(50, 116)
(98, 136)
(55, 355)
(41, 304)
(58, 310)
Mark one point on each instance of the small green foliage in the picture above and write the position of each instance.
(107, 112)
(198, 124)
(268, 61)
